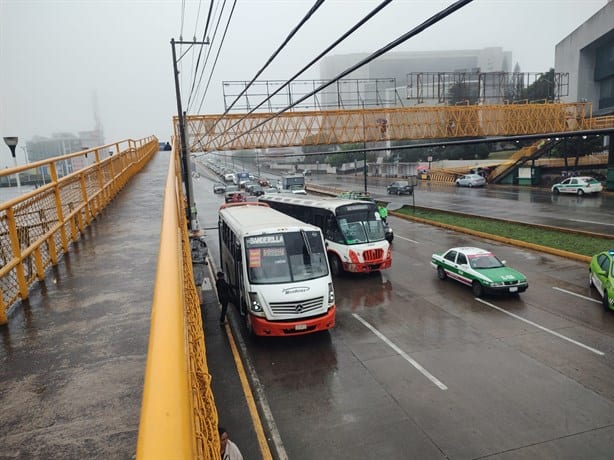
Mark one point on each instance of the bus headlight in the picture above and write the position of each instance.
(254, 302)
(331, 294)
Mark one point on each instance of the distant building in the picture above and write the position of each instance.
(587, 54)
(59, 144)
(398, 66)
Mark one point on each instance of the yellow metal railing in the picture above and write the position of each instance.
(178, 413)
(301, 128)
(37, 227)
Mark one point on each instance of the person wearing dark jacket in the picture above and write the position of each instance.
(223, 295)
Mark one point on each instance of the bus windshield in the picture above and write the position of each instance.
(285, 257)
(360, 225)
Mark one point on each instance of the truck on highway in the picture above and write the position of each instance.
(294, 183)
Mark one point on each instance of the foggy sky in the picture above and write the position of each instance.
(58, 56)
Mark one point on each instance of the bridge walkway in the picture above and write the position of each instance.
(72, 357)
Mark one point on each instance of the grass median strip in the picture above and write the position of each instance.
(577, 243)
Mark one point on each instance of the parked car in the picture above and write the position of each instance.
(480, 269)
(271, 190)
(471, 180)
(601, 275)
(400, 187)
(578, 185)
(219, 188)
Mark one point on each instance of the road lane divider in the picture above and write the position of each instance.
(406, 239)
(404, 355)
(540, 327)
(575, 294)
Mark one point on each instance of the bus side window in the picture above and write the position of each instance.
(319, 221)
(332, 231)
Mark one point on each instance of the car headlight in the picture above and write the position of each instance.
(254, 302)
(497, 284)
(331, 294)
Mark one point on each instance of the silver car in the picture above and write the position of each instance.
(471, 180)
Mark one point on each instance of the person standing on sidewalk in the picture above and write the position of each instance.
(223, 295)
(228, 449)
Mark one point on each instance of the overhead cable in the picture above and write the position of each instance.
(359, 24)
(202, 100)
(214, 40)
(204, 39)
(403, 38)
(310, 13)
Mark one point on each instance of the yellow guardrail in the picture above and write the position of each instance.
(37, 227)
(178, 413)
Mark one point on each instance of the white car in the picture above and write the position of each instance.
(471, 180)
(578, 185)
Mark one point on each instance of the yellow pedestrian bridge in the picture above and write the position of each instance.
(178, 414)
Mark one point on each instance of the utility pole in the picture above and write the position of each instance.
(183, 153)
(364, 144)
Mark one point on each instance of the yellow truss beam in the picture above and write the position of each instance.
(240, 131)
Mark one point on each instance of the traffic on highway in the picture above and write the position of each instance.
(419, 365)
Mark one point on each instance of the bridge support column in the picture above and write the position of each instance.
(610, 175)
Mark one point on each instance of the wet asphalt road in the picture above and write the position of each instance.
(536, 205)
(419, 368)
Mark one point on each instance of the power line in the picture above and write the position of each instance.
(216, 58)
(311, 63)
(310, 13)
(403, 38)
(204, 39)
(213, 40)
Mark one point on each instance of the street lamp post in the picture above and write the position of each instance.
(12, 143)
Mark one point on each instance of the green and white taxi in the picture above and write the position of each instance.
(480, 269)
(601, 275)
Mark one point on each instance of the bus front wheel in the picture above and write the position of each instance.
(335, 265)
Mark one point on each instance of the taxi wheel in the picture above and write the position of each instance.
(606, 301)
(590, 279)
(556, 191)
(441, 273)
(580, 192)
(477, 289)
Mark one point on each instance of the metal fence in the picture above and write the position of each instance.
(36, 228)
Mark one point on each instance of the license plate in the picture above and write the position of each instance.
(300, 327)
(514, 289)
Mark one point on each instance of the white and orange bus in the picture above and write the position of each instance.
(277, 269)
(353, 230)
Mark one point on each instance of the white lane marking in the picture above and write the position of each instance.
(404, 355)
(589, 222)
(577, 295)
(406, 239)
(545, 329)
